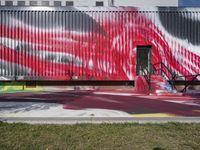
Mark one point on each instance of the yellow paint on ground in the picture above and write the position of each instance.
(37, 88)
(8, 87)
(19, 88)
(153, 115)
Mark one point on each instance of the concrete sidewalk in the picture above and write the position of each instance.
(95, 120)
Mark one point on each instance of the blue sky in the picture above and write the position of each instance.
(189, 2)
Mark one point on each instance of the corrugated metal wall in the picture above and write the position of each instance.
(87, 43)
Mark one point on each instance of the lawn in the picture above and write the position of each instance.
(172, 136)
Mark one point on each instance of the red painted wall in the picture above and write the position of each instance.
(95, 43)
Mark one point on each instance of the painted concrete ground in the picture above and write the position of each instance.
(115, 103)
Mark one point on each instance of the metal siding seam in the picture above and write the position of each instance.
(3, 33)
(92, 51)
(98, 43)
(21, 38)
(18, 36)
(85, 45)
(107, 48)
(30, 47)
(35, 42)
(96, 50)
(78, 21)
(109, 44)
(33, 45)
(117, 58)
(44, 63)
(72, 46)
(103, 45)
(81, 48)
(88, 70)
(79, 43)
(70, 35)
(1, 62)
(189, 36)
(100, 47)
(26, 52)
(115, 52)
(127, 47)
(50, 27)
(7, 42)
(63, 34)
(198, 29)
(177, 43)
(112, 37)
(1, 46)
(56, 43)
(118, 43)
(53, 42)
(88, 74)
(85, 36)
(184, 54)
(194, 39)
(181, 35)
(13, 44)
(17, 43)
(132, 43)
(60, 34)
(121, 45)
(174, 44)
(67, 48)
(51, 37)
(7, 31)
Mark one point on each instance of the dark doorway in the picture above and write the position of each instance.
(143, 60)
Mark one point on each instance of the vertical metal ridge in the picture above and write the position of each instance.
(61, 44)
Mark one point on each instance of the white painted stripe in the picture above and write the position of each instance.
(117, 94)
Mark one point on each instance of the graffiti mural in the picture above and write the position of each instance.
(95, 43)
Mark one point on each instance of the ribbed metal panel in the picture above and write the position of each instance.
(95, 43)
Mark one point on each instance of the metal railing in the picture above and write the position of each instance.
(188, 80)
(161, 69)
(164, 71)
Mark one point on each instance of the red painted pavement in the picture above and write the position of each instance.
(125, 101)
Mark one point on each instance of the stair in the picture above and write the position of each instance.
(158, 86)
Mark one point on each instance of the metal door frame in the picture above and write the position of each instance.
(149, 47)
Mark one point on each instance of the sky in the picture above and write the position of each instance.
(189, 3)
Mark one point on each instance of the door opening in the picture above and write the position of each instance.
(143, 60)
